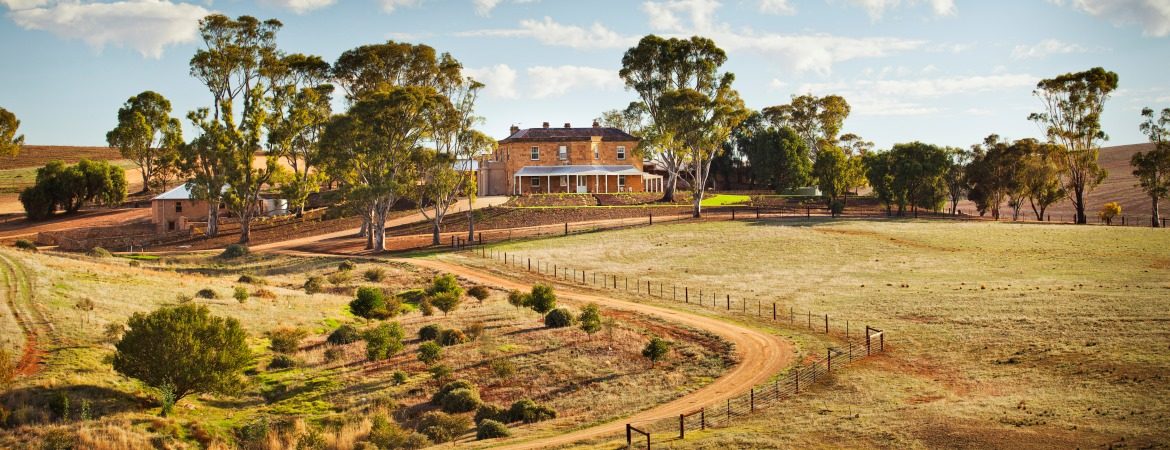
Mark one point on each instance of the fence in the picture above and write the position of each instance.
(851, 347)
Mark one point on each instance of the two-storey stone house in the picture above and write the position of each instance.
(565, 160)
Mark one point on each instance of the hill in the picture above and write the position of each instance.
(38, 155)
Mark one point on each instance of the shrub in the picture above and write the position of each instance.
(383, 341)
(488, 411)
(282, 362)
(375, 275)
(451, 337)
(412, 296)
(445, 283)
(448, 387)
(207, 293)
(98, 252)
(440, 373)
(25, 244)
(370, 303)
(69, 187)
(460, 401)
(338, 278)
(502, 368)
(480, 293)
(528, 411)
(430, 353)
(656, 349)
(559, 318)
(184, 298)
(441, 427)
(286, 340)
(399, 377)
(445, 301)
(1109, 211)
(264, 293)
(426, 307)
(385, 434)
(429, 332)
(542, 299)
(205, 353)
(240, 293)
(518, 299)
(489, 429)
(475, 330)
(234, 251)
(344, 334)
(590, 319)
(333, 354)
(836, 207)
(251, 279)
(135, 263)
(314, 284)
(346, 266)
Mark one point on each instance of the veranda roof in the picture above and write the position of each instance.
(555, 171)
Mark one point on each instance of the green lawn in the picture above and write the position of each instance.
(724, 200)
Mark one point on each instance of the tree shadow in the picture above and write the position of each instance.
(38, 404)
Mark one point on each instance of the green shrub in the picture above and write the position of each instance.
(460, 401)
(286, 340)
(412, 296)
(346, 266)
(338, 278)
(314, 284)
(69, 187)
(385, 434)
(528, 411)
(542, 299)
(207, 293)
(430, 353)
(344, 334)
(98, 252)
(488, 411)
(656, 349)
(559, 318)
(370, 303)
(426, 307)
(445, 283)
(836, 207)
(282, 362)
(475, 330)
(518, 299)
(445, 301)
(375, 275)
(480, 293)
(234, 251)
(440, 372)
(502, 367)
(251, 279)
(451, 337)
(399, 377)
(333, 354)
(441, 427)
(240, 293)
(448, 387)
(590, 319)
(25, 244)
(489, 429)
(429, 332)
(383, 341)
(135, 263)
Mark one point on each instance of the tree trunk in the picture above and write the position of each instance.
(669, 186)
(1154, 214)
(435, 231)
(1079, 204)
(470, 220)
(145, 180)
(245, 229)
(213, 218)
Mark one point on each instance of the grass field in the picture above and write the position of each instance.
(1001, 335)
(725, 199)
(585, 379)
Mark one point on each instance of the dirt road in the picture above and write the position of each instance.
(760, 355)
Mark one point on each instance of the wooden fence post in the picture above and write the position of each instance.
(529, 264)
(651, 218)
(826, 324)
(629, 437)
(729, 412)
(796, 378)
(682, 427)
(687, 293)
(753, 399)
(703, 418)
(757, 212)
(810, 319)
(829, 360)
(867, 340)
(729, 302)
(566, 228)
(773, 312)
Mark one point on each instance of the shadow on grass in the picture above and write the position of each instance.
(39, 404)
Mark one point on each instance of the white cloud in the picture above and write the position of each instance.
(550, 32)
(485, 7)
(779, 7)
(665, 15)
(147, 26)
(1045, 48)
(389, 6)
(499, 80)
(900, 97)
(814, 52)
(878, 8)
(1152, 15)
(557, 81)
(23, 4)
(299, 6)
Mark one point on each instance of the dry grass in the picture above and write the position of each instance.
(1002, 335)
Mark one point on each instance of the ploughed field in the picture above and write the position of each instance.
(999, 334)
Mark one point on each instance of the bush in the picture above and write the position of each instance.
(338, 278)
(1109, 211)
(429, 332)
(399, 377)
(502, 368)
(445, 283)
(286, 340)
(488, 411)
(412, 296)
(333, 354)
(264, 293)
(440, 373)
(385, 434)
(449, 387)
(590, 319)
(430, 353)
(445, 301)
(559, 318)
(489, 429)
(314, 284)
(460, 401)
(375, 275)
(282, 362)
(98, 252)
(25, 244)
(475, 330)
(518, 299)
(234, 251)
(441, 427)
(70, 187)
(240, 293)
(370, 303)
(383, 341)
(836, 207)
(205, 353)
(251, 279)
(345, 334)
(528, 411)
(451, 337)
(426, 307)
(479, 293)
(656, 349)
(346, 266)
(542, 299)
(207, 293)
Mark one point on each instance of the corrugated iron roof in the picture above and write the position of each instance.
(569, 134)
(552, 171)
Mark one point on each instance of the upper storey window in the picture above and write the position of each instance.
(621, 152)
(563, 152)
(535, 152)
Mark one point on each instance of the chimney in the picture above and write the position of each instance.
(567, 125)
(515, 129)
(596, 125)
(546, 124)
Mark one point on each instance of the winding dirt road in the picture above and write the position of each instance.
(760, 355)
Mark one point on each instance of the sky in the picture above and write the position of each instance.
(946, 72)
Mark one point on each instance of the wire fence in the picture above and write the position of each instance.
(851, 345)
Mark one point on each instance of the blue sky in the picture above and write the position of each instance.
(947, 72)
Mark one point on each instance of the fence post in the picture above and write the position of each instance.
(757, 212)
(796, 377)
(529, 264)
(629, 437)
(773, 312)
(729, 412)
(566, 228)
(647, 288)
(810, 320)
(867, 340)
(729, 302)
(826, 324)
(703, 418)
(733, 214)
(829, 360)
(753, 399)
(882, 342)
(682, 427)
(791, 315)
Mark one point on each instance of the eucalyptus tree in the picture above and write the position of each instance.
(147, 135)
(1073, 103)
(909, 175)
(957, 186)
(10, 142)
(818, 120)
(1152, 168)
(459, 144)
(299, 109)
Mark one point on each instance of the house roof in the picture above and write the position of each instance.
(569, 134)
(553, 171)
(180, 192)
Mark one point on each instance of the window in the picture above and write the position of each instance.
(621, 152)
(621, 182)
(535, 182)
(563, 152)
(535, 153)
(170, 225)
(179, 207)
(596, 151)
(564, 180)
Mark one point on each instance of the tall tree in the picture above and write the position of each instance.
(147, 135)
(456, 138)
(776, 157)
(817, 119)
(1039, 175)
(910, 175)
(994, 174)
(1152, 168)
(10, 142)
(832, 171)
(957, 185)
(879, 171)
(655, 67)
(1073, 103)
(298, 112)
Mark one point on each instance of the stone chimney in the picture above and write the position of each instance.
(515, 129)
(568, 125)
(596, 125)
(546, 124)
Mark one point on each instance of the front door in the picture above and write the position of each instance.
(582, 188)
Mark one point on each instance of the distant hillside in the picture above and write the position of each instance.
(38, 155)
(1120, 186)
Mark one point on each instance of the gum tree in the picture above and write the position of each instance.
(817, 120)
(147, 135)
(10, 142)
(1152, 168)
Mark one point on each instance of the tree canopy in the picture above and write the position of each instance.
(147, 135)
(10, 142)
(1152, 168)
